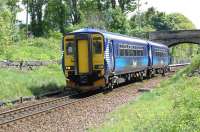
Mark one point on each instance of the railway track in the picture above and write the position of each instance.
(17, 114)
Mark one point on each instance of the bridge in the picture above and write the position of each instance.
(172, 38)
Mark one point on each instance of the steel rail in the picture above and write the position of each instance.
(27, 113)
(30, 106)
(39, 108)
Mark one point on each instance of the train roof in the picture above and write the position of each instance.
(111, 35)
(157, 44)
(118, 36)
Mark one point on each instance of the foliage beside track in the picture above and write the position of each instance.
(15, 83)
(173, 106)
(33, 49)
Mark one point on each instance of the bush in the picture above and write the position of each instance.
(34, 49)
(5, 30)
(15, 83)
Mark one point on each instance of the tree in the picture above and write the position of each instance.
(127, 5)
(56, 16)
(116, 21)
(181, 22)
(13, 6)
(151, 20)
(74, 11)
(5, 30)
(36, 13)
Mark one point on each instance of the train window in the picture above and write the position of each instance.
(121, 52)
(134, 53)
(126, 52)
(156, 53)
(131, 52)
(142, 53)
(97, 47)
(137, 53)
(70, 48)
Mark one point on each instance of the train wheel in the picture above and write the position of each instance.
(141, 76)
(110, 86)
(149, 74)
(163, 72)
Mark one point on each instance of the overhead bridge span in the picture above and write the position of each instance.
(172, 38)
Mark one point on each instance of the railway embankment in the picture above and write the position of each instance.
(15, 83)
(88, 112)
(173, 106)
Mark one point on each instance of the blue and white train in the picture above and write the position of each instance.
(95, 59)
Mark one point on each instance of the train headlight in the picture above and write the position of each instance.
(69, 68)
(99, 66)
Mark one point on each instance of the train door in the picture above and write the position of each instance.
(150, 50)
(83, 56)
(112, 57)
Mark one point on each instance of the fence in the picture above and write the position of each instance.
(26, 64)
(179, 60)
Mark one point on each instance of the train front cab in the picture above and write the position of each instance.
(84, 61)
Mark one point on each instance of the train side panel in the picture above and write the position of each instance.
(130, 57)
(123, 57)
(160, 57)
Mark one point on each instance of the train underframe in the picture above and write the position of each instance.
(85, 83)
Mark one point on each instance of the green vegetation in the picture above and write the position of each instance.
(14, 83)
(50, 19)
(185, 50)
(33, 49)
(152, 20)
(173, 106)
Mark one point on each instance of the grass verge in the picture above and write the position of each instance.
(15, 83)
(173, 106)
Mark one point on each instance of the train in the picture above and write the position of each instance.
(94, 59)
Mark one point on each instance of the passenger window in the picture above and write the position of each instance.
(142, 53)
(97, 47)
(121, 52)
(69, 48)
(134, 53)
(126, 52)
(131, 52)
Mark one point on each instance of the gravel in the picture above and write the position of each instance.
(80, 117)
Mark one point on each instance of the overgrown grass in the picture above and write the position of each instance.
(33, 49)
(173, 106)
(15, 83)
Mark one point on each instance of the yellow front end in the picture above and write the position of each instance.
(84, 61)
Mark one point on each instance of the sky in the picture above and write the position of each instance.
(189, 8)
